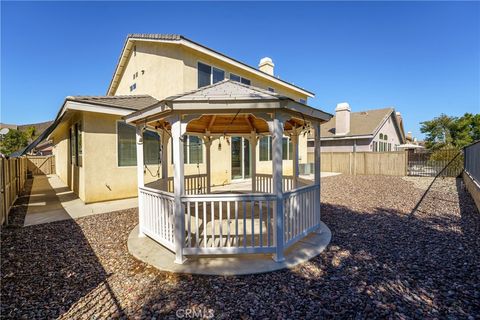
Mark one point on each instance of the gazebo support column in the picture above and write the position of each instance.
(140, 177)
(208, 144)
(276, 126)
(178, 131)
(316, 127)
(253, 148)
(295, 170)
(165, 138)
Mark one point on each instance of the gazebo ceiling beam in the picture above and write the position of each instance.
(212, 121)
(250, 123)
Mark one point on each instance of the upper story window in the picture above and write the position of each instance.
(234, 77)
(208, 75)
(133, 87)
(271, 89)
(303, 101)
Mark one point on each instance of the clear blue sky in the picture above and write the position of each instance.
(423, 58)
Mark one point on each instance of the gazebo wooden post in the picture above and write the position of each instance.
(294, 138)
(317, 167)
(253, 147)
(207, 139)
(165, 138)
(140, 177)
(178, 131)
(276, 127)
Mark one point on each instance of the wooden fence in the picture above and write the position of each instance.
(365, 163)
(13, 174)
(41, 165)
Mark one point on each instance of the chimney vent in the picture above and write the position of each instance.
(342, 118)
(266, 65)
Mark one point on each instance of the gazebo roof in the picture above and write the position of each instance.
(227, 97)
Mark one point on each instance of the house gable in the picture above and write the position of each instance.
(168, 66)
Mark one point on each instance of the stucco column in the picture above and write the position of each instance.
(208, 144)
(253, 147)
(316, 127)
(165, 138)
(140, 178)
(276, 128)
(178, 131)
(295, 170)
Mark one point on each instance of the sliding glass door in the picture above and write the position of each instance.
(240, 158)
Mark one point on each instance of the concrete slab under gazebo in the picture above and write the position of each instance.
(183, 214)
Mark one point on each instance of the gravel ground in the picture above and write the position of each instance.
(383, 262)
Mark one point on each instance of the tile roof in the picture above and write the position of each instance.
(133, 102)
(361, 123)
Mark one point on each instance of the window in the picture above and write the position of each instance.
(135, 75)
(133, 87)
(127, 149)
(271, 89)
(265, 149)
(236, 78)
(374, 146)
(192, 150)
(134, 51)
(381, 136)
(303, 101)
(218, 75)
(287, 149)
(79, 147)
(73, 154)
(151, 148)
(385, 137)
(208, 75)
(76, 149)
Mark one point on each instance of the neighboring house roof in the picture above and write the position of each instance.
(362, 124)
(226, 93)
(176, 38)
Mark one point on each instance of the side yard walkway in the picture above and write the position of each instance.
(51, 200)
(384, 261)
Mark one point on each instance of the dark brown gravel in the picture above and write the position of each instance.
(383, 262)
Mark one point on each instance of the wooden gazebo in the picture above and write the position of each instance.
(190, 221)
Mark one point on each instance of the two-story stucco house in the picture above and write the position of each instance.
(95, 149)
(378, 130)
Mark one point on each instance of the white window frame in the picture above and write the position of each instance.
(211, 72)
(230, 75)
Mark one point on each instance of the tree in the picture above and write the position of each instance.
(30, 133)
(447, 132)
(13, 141)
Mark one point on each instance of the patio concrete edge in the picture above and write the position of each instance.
(154, 254)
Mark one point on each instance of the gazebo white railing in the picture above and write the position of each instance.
(191, 220)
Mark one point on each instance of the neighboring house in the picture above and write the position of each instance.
(95, 150)
(45, 148)
(378, 130)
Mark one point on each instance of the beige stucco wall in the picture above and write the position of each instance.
(170, 69)
(71, 174)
